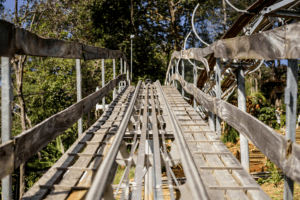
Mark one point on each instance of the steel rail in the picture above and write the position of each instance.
(138, 178)
(158, 193)
(100, 181)
(194, 181)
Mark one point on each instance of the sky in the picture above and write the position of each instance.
(10, 4)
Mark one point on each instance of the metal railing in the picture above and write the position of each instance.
(15, 151)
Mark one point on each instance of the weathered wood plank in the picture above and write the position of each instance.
(7, 158)
(273, 145)
(30, 142)
(53, 175)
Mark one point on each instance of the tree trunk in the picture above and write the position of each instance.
(18, 67)
(225, 16)
(251, 83)
(173, 25)
(256, 84)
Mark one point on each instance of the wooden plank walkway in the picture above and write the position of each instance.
(218, 170)
(147, 132)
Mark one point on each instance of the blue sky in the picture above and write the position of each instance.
(10, 4)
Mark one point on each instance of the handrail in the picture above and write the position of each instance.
(284, 42)
(281, 151)
(25, 145)
(19, 41)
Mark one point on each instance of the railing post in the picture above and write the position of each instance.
(290, 99)
(182, 76)
(121, 68)
(124, 72)
(172, 72)
(103, 82)
(79, 93)
(169, 77)
(6, 99)
(242, 106)
(114, 76)
(195, 81)
(218, 93)
(176, 70)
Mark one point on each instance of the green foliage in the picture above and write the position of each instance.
(275, 177)
(267, 116)
(258, 98)
(32, 178)
(230, 135)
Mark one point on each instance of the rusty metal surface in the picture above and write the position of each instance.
(14, 40)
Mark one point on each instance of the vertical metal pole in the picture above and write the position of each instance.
(172, 73)
(242, 106)
(195, 81)
(125, 72)
(121, 67)
(6, 98)
(176, 70)
(79, 93)
(182, 76)
(114, 76)
(291, 109)
(131, 62)
(169, 77)
(218, 93)
(103, 82)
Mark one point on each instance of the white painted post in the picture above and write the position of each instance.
(218, 94)
(114, 76)
(103, 82)
(6, 98)
(290, 99)
(242, 106)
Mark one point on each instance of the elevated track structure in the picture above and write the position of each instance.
(150, 128)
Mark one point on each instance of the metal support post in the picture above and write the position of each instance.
(169, 78)
(290, 99)
(182, 76)
(103, 82)
(121, 68)
(218, 94)
(242, 106)
(125, 72)
(195, 81)
(131, 37)
(114, 76)
(176, 70)
(6, 99)
(172, 72)
(79, 93)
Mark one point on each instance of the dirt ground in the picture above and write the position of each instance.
(276, 193)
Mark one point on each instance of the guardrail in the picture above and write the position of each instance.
(13, 40)
(276, 44)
